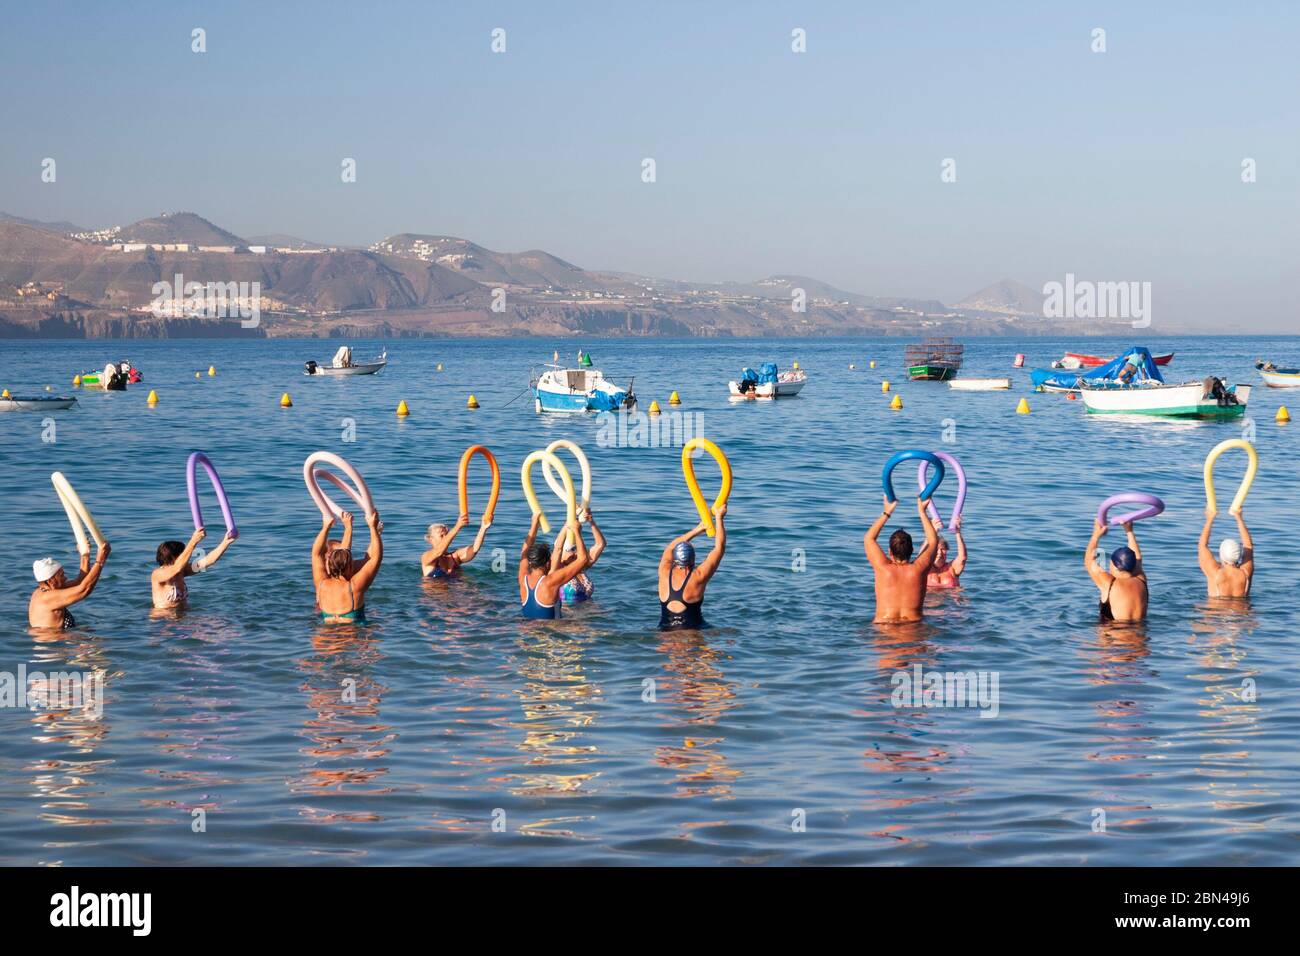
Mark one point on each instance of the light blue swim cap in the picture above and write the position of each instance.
(684, 555)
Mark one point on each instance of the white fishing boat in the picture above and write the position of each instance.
(342, 364)
(584, 389)
(1276, 377)
(1209, 399)
(979, 384)
(767, 382)
(36, 403)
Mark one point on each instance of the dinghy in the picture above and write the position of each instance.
(36, 403)
(767, 382)
(1275, 376)
(342, 364)
(979, 384)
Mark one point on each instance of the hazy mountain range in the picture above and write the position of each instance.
(58, 279)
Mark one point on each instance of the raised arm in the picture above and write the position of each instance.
(528, 543)
(959, 565)
(1132, 542)
(926, 558)
(374, 556)
(182, 563)
(63, 597)
(1205, 557)
(597, 540)
(318, 550)
(874, 554)
(562, 575)
(213, 556)
(469, 552)
(710, 564)
(1095, 571)
(1247, 546)
(347, 531)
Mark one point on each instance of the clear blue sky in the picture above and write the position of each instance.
(1113, 166)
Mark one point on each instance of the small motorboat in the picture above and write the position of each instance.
(979, 384)
(768, 382)
(585, 389)
(342, 364)
(115, 377)
(1072, 360)
(934, 359)
(1275, 376)
(36, 403)
(1209, 399)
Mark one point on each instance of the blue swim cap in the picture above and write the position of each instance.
(684, 555)
(1124, 559)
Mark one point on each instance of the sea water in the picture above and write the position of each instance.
(449, 731)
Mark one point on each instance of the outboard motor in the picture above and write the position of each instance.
(311, 368)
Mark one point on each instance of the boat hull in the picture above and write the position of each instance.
(1092, 361)
(368, 368)
(931, 373)
(979, 384)
(1280, 379)
(21, 403)
(1165, 401)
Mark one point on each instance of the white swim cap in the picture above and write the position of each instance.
(1230, 551)
(45, 568)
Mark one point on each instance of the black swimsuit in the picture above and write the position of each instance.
(69, 622)
(1104, 606)
(689, 617)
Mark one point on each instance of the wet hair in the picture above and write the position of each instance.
(338, 562)
(436, 530)
(538, 555)
(1123, 559)
(900, 545)
(168, 552)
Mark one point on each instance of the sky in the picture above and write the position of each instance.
(1122, 165)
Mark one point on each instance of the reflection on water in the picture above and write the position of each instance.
(698, 696)
(347, 743)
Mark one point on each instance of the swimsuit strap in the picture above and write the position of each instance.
(678, 593)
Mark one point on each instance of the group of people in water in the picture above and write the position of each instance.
(552, 575)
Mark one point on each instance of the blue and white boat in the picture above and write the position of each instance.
(578, 390)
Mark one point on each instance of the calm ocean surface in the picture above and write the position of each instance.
(465, 715)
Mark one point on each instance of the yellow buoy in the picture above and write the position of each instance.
(472, 403)
(153, 397)
(1023, 407)
(197, 374)
(402, 410)
(286, 401)
(1283, 416)
(884, 386)
(49, 388)
(439, 366)
(4, 394)
(673, 399)
(873, 363)
(76, 381)
(654, 408)
(212, 370)
(796, 365)
(897, 403)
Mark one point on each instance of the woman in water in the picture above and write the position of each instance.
(542, 575)
(1231, 575)
(340, 584)
(681, 583)
(1124, 594)
(437, 562)
(944, 575)
(168, 579)
(582, 587)
(54, 594)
